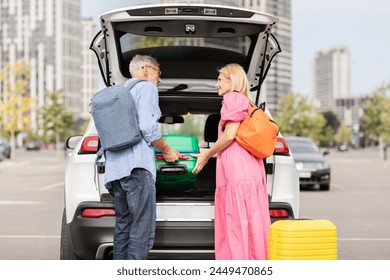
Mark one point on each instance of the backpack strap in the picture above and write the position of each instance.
(261, 105)
(133, 83)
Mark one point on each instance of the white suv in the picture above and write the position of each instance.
(190, 42)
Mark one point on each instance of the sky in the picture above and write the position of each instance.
(360, 25)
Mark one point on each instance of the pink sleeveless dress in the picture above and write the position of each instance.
(241, 200)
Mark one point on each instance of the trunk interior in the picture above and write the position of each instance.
(200, 115)
(203, 190)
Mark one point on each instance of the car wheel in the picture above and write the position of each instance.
(324, 187)
(66, 250)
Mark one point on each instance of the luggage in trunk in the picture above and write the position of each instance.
(302, 240)
(177, 176)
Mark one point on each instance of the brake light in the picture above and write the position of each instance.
(281, 147)
(97, 213)
(278, 213)
(89, 145)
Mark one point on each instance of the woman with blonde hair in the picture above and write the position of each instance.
(241, 199)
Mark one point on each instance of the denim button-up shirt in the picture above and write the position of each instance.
(119, 164)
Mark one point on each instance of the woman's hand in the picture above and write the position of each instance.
(201, 161)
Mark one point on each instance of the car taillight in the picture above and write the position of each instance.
(281, 147)
(89, 145)
(278, 213)
(97, 213)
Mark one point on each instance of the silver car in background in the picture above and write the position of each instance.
(5, 148)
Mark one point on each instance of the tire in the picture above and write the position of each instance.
(324, 187)
(66, 250)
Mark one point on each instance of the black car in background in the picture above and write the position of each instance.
(313, 168)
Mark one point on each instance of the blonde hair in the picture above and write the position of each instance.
(238, 78)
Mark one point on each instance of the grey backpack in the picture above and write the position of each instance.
(115, 116)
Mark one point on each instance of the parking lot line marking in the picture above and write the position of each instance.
(52, 186)
(20, 202)
(364, 239)
(31, 236)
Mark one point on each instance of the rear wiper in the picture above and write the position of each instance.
(178, 87)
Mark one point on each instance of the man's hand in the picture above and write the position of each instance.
(172, 155)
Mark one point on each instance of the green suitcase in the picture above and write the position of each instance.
(177, 176)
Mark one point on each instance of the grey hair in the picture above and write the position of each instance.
(140, 61)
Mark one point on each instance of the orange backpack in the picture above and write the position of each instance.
(258, 132)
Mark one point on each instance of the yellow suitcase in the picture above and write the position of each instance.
(302, 240)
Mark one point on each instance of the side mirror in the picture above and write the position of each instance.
(72, 141)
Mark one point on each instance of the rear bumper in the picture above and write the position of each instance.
(87, 234)
(92, 238)
(316, 177)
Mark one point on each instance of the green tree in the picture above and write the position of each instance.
(56, 120)
(386, 121)
(375, 119)
(331, 120)
(15, 101)
(332, 125)
(296, 116)
(327, 136)
(344, 134)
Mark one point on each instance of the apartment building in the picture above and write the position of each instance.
(89, 69)
(47, 34)
(332, 78)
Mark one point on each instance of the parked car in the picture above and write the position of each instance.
(33, 146)
(2, 153)
(5, 148)
(193, 42)
(313, 168)
(343, 147)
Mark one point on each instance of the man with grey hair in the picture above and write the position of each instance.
(131, 173)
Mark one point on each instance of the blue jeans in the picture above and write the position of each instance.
(135, 215)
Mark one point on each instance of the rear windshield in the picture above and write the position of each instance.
(195, 58)
(303, 147)
(193, 125)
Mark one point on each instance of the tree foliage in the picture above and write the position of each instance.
(331, 120)
(332, 125)
(15, 100)
(296, 116)
(375, 120)
(56, 120)
(344, 134)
